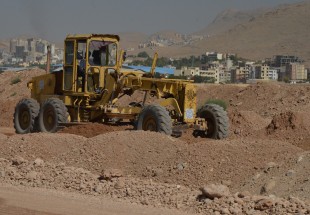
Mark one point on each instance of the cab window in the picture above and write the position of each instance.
(102, 53)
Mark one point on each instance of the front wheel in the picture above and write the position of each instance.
(217, 121)
(25, 116)
(52, 113)
(155, 118)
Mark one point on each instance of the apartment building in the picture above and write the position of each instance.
(30, 49)
(296, 71)
(224, 76)
(211, 73)
(284, 60)
(262, 71)
(240, 74)
(187, 71)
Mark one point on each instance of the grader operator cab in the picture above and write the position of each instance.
(91, 83)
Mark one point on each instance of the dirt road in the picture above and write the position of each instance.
(30, 201)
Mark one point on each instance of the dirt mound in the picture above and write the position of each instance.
(283, 179)
(155, 156)
(39, 173)
(265, 99)
(3, 137)
(246, 123)
(13, 87)
(285, 121)
(211, 91)
(44, 145)
(267, 122)
(292, 127)
(94, 129)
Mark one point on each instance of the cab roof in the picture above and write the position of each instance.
(87, 36)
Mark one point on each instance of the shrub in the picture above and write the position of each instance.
(143, 54)
(15, 80)
(219, 102)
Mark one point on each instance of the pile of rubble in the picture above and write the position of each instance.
(211, 199)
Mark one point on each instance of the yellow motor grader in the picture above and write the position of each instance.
(92, 81)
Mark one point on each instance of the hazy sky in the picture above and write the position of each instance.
(54, 19)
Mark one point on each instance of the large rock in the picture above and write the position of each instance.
(215, 191)
(38, 162)
(32, 175)
(264, 204)
(18, 161)
(112, 173)
(270, 185)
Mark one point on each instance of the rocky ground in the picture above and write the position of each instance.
(262, 168)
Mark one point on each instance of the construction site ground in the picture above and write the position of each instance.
(112, 169)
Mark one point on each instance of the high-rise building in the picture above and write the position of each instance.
(13, 44)
(296, 71)
(20, 51)
(284, 60)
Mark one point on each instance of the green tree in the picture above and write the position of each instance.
(286, 79)
(143, 54)
(201, 79)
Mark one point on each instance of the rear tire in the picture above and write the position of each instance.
(52, 113)
(26, 115)
(216, 119)
(154, 118)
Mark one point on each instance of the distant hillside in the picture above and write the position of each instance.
(4, 45)
(131, 39)
(229, 19)
(253, 35)
(284, 30)
(166, 35)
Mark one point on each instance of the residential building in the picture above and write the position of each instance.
(240, 74)
(31, 45)
(18, 42)
(210, 57)
(224, 76)
(20, 52)
(211, 73)
(296, 71)
(13, 44)
(262, 72)
(229, 64)
(284, 60)
(187, 71)
(32, 50)
(281, 72)
(273, 74)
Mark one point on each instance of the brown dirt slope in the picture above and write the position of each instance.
(272, 111)
(42, 174)
(141, 154)
(269, 131)
(283, 179)
(11, 93)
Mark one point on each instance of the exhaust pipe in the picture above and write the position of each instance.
(48, 60)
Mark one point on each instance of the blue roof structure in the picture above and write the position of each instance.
(14, 69)
(161, 70)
